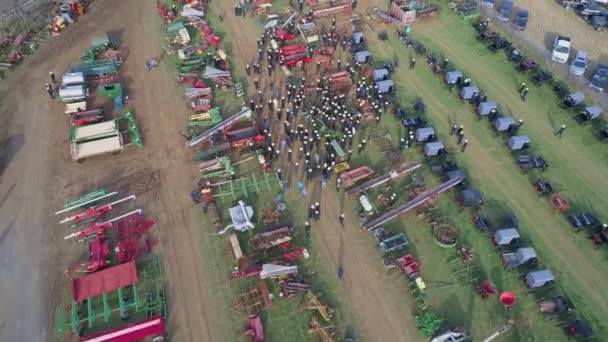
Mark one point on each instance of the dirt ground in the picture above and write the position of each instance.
(38, 175)
(542, 29)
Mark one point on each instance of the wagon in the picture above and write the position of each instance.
(504, 123)
(485, 108)
(451, 77)
(470, 198)
(505, 236)
(523, 255)
(591, 113)
(574, 99)
(380, 75)
(425, 134)
(73, 78)
(467, 93)
(73, 93)
(358, 38)
(518, 142)
(362, 57)
(538, 279)
(385, 87)
(552, 307)
(434, 149)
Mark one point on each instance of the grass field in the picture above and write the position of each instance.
(577, 162)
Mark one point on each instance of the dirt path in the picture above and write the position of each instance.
(40, 176)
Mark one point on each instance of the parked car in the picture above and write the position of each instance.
(561, 49)
(591, 9)
(599, 22)
(599, 79)
(579, 64)
(521, 19)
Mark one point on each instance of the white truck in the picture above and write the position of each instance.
(95, 139)
(561, 49)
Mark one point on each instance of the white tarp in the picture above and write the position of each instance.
(188, 11)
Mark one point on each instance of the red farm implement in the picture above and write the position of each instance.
(205, 31)
(95, 213)
(409, 265)
(130, 237)
(249, 136)
(98, 228)
(349, 178)
(254, 330)
(164, 12)
(87, 117)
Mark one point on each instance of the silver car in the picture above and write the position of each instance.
(579, 64)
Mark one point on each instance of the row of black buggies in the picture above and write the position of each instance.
(572, 101)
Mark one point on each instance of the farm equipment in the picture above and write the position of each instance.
(409, 265)
(388, 240)
(87, 117)
(340, 82)
(99, 228)
(429, 196)
(527, 162)
(208, 118)
(539, 279)
(110, 91)
(95, 213)
(522, 256)
(295, 55)
(313, 302)
(272, 238)
(248, 136)
(555, 306)
(99, 253)
(255, 329)
(559, 203)
(245, 112)
(351, 177)
(392, 175)
(95, 68)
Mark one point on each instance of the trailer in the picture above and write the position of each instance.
(92, 140)
(81, 118)
(74, 107)
(351, 177)
(95, 68)
(73, 78)
(73, 93)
